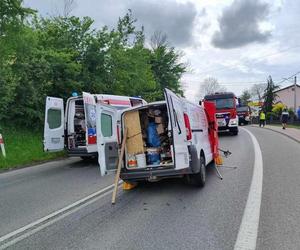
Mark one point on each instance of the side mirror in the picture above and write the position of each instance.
(200, 103)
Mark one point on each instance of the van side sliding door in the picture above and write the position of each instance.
(107, 145)
(175, 110)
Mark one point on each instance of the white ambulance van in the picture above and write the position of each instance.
(75, 128)
(164, 139)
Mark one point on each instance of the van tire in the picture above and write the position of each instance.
(199, 178)
(194, 161)
(88, 158)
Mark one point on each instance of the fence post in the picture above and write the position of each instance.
(2, 146)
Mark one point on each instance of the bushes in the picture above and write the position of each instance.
(271, 115)
(23, 146)
(56, 56)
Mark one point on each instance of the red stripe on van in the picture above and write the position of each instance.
(117, 102)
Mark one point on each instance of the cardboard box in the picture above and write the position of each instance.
(160, 128)
(134, 143)
(158, 119)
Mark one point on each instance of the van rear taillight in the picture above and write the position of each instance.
(188, 127)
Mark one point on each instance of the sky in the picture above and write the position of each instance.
(238, 42)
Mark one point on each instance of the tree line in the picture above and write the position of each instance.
(54, 56)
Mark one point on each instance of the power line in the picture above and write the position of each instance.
(231, 83)
(242, 83)
(287, 78)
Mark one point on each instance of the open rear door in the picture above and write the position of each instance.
(90, 121)
(107, 144)
(54, 124)
(175, 109)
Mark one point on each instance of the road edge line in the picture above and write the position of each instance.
(247, 235)
(57, 213)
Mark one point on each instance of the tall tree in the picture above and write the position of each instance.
(166, 66)
(58, 55)
(257, 91)
(270, 95)
(245, 97)
(209, 86)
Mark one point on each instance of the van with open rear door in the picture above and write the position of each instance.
(164, 139)
(74, 127)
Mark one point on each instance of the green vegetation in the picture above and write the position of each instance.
(270, 95)
(55, 56)
(245, 97)
(58, 55)
(23, 146)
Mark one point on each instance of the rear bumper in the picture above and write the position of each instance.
(244, 119)
(227, 128)
(152, 174)
(77, 152)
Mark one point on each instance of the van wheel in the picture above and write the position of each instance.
(88, 158)
(199, 178)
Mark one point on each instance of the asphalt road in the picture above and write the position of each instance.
(164, 215)
(31, 193)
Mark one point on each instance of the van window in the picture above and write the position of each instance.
(54, 118)
(106, 125)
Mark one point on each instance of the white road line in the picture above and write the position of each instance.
(247, 235)
(50, 219)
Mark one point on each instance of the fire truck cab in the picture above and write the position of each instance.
(226, 106)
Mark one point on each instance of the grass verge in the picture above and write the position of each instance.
(23, 147)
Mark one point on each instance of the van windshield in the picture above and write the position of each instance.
(242, 109)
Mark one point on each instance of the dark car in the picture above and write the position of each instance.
(244, 113)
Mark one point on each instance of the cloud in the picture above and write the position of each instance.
(240, 24)
(173, 18)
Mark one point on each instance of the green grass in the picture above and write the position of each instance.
(23, 147)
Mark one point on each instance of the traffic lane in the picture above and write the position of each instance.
(280, 207)
(163, 215)
(31, 193)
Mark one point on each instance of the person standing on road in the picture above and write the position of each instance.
(284, 117)
(262, 118)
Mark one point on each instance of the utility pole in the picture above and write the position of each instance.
(295, 95)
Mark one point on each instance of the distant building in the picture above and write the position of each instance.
(286, 96)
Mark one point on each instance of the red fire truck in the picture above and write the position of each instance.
(226, 114)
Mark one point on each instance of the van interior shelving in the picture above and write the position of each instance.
(77, 137)
(148, 138)
(79, 124)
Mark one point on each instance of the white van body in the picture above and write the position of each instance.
(186, 154)
(74, 128)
